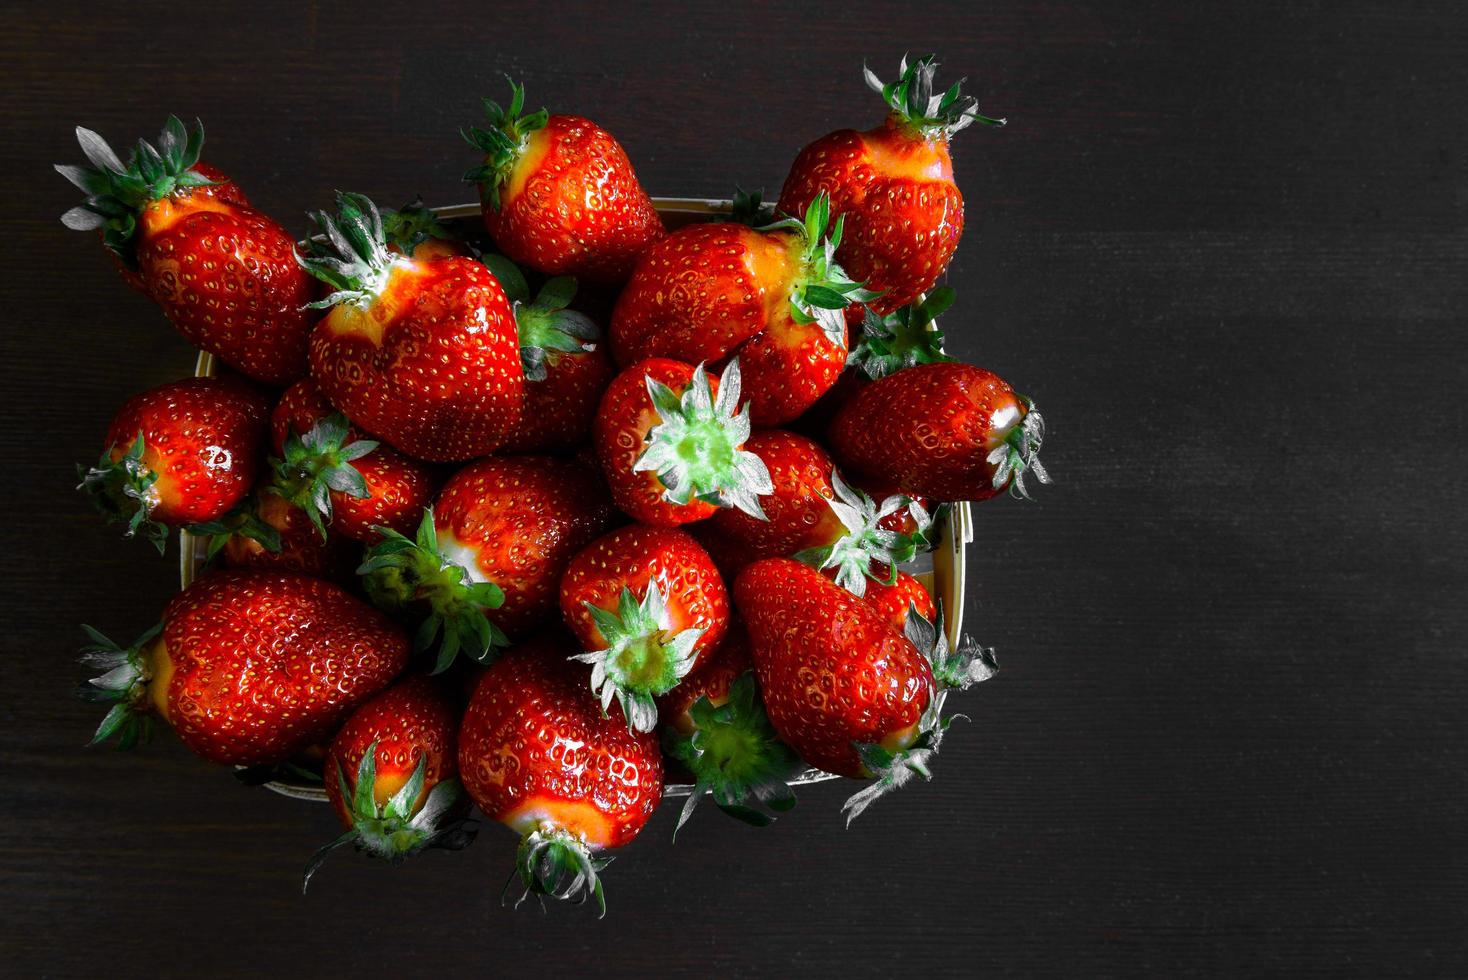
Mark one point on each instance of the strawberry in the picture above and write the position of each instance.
(183, 453)
(812, 514)
(670, 440)
(772, 295)
(893, 185)
(224, 273)
(717, 729)
(420, 353)
(559, 194)
(392, 775)
(248, 667)
(949, 431)
(895, 600)
(646, 604)
(335, 476)
(268, 532)
(487, 559)
(850, 694)
(537, 754)
(566, 364)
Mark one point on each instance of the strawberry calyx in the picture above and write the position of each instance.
(399, 828)
(117, 192)
(412, 576)
(903, 338)
(892, 767)
(545, 325)
(915, 106)
(643, 657)
(735, 757)
(749, 208)
(867, 549)
(241, 521)
(1019, 453)
(411, 225)
(822, 290)
(122, 682)
(697, 447)
(503, 142)
(350, 252)
(318, 462)
(556, 862)
(123, 491)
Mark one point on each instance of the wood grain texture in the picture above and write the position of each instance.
(1225, 253)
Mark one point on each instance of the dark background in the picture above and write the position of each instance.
(1225, 253)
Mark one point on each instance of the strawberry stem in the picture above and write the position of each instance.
(915, 106)
(868, 550)
(553, 861)
(122, 490)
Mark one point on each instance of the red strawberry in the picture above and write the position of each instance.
(392, 775)
(182, 453)
(224, 273)
(559, 193)
(537, 754)
(670, 440)
(221, 186)
(893, 185)
(566, 364)
(646, 604)
(335, 476)
(949, 431)
(486, 562)
(248, 667)
(812, 514)
(716, 727)
(844, 689)
(268, 532)
(773, 295)
(420, 353)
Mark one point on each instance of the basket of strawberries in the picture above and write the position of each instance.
(557, 505)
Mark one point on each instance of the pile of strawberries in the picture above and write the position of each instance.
(465, 548)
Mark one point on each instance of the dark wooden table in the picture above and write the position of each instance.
(1224, 251)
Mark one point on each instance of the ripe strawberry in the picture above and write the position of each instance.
(420, 353)
(182, 453)
(949, 431)
(893, 185)
(248, 667)
(646, 603)
(559, 194)
(486, 562)
(265, 531)
(670, 440)
(812, 514)
(895, 600)
(772, 295)
(566, 364)
(223, 272)
(537, 754)
(392, 775)
(335, 476)
(850, 694)
(716, 727)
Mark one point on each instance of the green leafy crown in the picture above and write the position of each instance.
(317, 463)
(952, 670)
(555, 862)
(122, 682)
(545, 325)
(1019, 454)
(912, 100)
(399, 828)
(697, 447)
(822, 290)
(503, 142)
(411, 576)
(643, 657)
(122, 491)
(349, 252)
(901, 339)
(735, 756)
(411, 225)
(241, 521)
(868, 550)
(117, 193)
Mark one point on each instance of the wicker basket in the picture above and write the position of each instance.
(941, 572)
